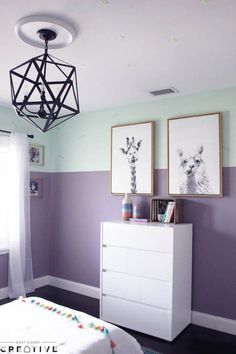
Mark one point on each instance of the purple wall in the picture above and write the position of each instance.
(82, 200)
(66, 232)
(214, 250)
(40, 233)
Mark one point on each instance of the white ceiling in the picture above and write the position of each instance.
(126, 48)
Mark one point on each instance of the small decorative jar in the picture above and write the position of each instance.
(127, 207)
(136, 211)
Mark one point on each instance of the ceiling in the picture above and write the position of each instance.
(126, 48)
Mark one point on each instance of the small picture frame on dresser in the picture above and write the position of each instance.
(165, 210)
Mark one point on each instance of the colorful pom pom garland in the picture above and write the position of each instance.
(74, 318)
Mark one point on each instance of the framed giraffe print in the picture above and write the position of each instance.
(132, 158)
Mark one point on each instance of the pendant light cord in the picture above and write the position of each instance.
(46, 46)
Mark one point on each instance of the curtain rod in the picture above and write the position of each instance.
(7, 131)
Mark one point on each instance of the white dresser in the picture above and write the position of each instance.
(146, 276)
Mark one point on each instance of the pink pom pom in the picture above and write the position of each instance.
(113, 344)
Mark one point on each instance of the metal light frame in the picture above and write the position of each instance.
(41, 106)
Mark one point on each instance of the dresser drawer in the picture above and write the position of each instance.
(121, 285)
(149, 264)
(142, 318)
(147, 291)
(156, 293)
(146, 237)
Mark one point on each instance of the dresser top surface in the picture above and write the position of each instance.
(149, 224)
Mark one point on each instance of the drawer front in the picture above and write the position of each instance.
(138, 262)
(147, 291)
(156, 293)
(121, 285)
(146, 237)
(142, 318)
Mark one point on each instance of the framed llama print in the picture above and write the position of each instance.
(195, 156)
(132, 158)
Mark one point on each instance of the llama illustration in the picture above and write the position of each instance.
(193, 177)
(131, 152)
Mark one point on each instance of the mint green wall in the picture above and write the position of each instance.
(83, 143)
(9, 121)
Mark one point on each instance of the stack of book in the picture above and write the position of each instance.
(169, 213)
(158, 206)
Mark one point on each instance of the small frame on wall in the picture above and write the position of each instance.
(195, 156)
(36, 154)
(132, 158)
(36, 188)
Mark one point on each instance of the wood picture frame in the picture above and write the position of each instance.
(132, 158)
(195, 156)
(36, 154)
(36, 187)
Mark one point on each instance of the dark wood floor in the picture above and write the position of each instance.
(193, 340)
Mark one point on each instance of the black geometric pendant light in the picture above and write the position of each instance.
(44, 89)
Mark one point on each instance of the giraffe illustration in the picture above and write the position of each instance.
(131, 152)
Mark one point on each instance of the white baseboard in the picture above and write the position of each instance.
(3, 293)
(38, 283)
(214, 322)
(42, 281)
(78, 288)
(198, 318)
(64, 284)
